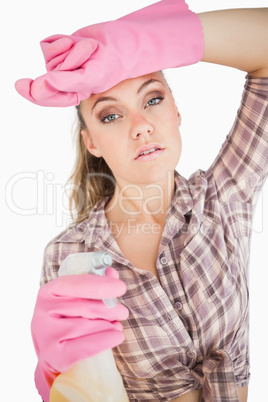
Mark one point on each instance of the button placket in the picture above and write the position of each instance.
(178, 306)
(190, 354)
(163, 260)
(192, 358)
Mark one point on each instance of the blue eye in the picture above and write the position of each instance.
(110, 118)
(154, 101)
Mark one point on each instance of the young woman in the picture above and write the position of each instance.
(180, 247)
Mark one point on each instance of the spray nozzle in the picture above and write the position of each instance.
(88, 263)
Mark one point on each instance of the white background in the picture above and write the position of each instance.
(37, 156)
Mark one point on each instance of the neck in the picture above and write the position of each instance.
(144, 202)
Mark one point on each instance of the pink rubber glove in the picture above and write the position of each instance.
(95, 58)
(71, 323)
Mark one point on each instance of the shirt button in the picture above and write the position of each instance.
(190, 354)
(164, 260)
(178, 306)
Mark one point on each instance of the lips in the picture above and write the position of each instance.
(147, 149)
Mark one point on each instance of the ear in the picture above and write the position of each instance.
(89, 144)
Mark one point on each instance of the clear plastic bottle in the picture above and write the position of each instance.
(95, 379)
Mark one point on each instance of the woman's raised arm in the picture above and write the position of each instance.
(237, 38)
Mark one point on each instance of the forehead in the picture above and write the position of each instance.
(126, 87)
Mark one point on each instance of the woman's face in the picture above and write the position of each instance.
(135, 116)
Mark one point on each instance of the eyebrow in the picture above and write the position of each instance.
(146, 83)
(103, 99)
(111, 98)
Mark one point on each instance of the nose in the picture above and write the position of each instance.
(140, 126)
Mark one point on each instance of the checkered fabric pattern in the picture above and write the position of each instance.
(190, 331)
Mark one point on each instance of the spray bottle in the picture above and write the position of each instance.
(95, 379)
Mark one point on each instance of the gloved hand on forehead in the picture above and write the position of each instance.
(71, 323)
(95, 58)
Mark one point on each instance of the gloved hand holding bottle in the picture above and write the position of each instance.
(71, 323)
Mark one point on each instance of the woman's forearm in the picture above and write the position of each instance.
(237, 38)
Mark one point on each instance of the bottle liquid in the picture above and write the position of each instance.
(95, 379)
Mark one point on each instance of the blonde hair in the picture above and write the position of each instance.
(91, 180)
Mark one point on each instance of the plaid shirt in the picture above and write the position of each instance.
(190, 331)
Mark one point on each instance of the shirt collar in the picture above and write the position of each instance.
(182, 201)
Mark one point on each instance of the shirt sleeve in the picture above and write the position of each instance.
(241, 167)
(50, 263)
